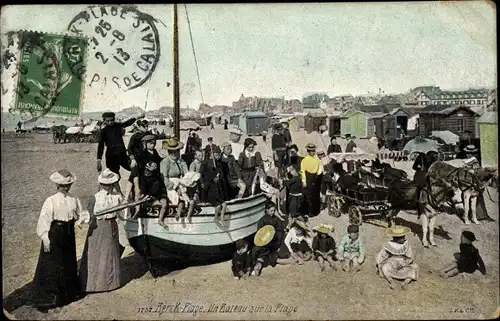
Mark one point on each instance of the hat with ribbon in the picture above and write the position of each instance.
(264, 235)
(236, 131)
(107, 177)
(310, 147)
(300, 223)
(63, 177)
(470, 149)
(397, 231)
(172, 144)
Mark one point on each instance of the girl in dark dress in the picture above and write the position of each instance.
(295, 199)
(249, 161)
(469, 260)
(212, 179)
(267, 255)
(334, 147)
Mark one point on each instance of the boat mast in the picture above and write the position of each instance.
(177, 111)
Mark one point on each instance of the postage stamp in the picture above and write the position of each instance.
(124, 40)
(50, 78)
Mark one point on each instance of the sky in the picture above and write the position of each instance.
(286, 50)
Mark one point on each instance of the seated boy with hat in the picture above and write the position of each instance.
(324, 246)
(241, 262)
(351, 250)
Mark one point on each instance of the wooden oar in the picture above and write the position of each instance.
(121, 207)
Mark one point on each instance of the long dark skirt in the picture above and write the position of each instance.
(56, 281)
(295, 205)
(100, 267)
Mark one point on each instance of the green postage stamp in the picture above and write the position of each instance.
(51, 74)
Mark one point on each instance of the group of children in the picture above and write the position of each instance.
(274, 244)
(296, 243)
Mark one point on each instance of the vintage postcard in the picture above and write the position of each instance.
(300, 161)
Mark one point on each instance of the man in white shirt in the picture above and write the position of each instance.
(235, 137)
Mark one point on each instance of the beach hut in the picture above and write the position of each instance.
(235, 119)
(357, 123)
(334, 124)
(314, 118)
(488, 136)
(253, 122)
(388, 122)
(456, 119)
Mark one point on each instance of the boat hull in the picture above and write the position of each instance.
(202, 239)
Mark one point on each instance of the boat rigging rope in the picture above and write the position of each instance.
(194, 54)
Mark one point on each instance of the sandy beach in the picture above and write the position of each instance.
(210, 292)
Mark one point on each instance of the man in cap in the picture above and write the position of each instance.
(235, 137)
(135, 145)
(350, 148)
(111, 137)
(311, 172)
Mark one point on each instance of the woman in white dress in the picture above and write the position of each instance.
(100, 266)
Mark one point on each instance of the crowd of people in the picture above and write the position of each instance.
(213, 175)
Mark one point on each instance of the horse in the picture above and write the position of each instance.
(59, 133)
(467, 182)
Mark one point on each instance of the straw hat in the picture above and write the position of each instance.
(264, 235)
(324, 228)
(320, 152)
(470, 149)
(107, 177)
(172, 144)
(397, 231)
(302, 224)
(310, 146)
(63, 177)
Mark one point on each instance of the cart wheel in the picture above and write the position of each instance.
(335, 205)
(355, 216)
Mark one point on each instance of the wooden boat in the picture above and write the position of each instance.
(201, 240)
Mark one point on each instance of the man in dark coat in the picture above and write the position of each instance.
(111, 137)
(350, 148)
(135, 144)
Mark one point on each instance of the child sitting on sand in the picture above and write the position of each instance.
(351, 249)
(324, 246)
(241, 260)
(468, 260)
(299, 242)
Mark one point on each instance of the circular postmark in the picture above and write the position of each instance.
(34, 72)
(122, 40)
(74, 54)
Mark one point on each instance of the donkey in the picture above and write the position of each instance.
(427, 200)
(468, 183)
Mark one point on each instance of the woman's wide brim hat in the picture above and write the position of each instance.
(236, 131)
(324, 228)
(264, 235)
(148, 138)
(172, 144)
(470, 149)
(63, 177)
(107, 177)
(397, 231)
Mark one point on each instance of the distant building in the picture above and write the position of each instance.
(338, 103)
(263, 104)
(314, 100)
(435, 96)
